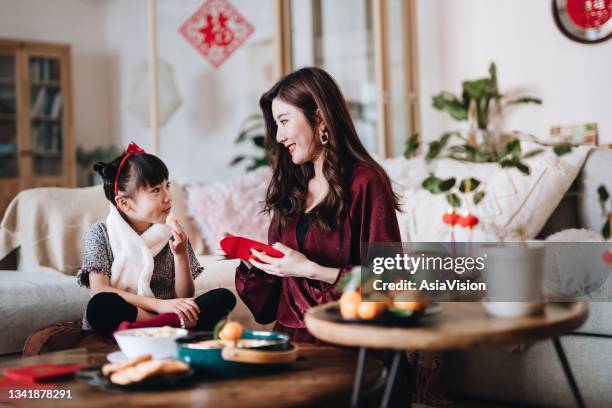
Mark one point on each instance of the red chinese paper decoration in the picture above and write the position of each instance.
(589, 13)
(216, 30)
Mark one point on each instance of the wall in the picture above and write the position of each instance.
(82, 25)
(197, 142)
(458, 40)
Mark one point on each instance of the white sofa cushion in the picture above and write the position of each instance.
(515, 207)
(30, 301)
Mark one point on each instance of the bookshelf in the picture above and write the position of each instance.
(36, 133)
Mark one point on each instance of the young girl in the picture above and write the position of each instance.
(140, 270)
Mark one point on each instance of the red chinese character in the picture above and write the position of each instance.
(216, 29)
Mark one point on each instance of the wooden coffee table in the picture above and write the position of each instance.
(321, 376)
(460, 325)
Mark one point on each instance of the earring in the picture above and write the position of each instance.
(324, 137)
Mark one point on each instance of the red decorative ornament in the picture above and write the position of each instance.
(450, 218)
(589, 13)
(607, 257)
(216, 30)
(468, 221)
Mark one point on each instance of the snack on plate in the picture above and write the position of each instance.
(415, 305)
(170, 219)
(240, 343)
(108, 369)
(140, 368)
(165, 331)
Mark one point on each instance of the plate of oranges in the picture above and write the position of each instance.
(352, 308)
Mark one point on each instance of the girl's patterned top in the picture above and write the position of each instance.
(98, 258)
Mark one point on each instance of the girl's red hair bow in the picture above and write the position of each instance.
(132, 148)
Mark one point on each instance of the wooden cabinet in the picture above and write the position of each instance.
(36, 123)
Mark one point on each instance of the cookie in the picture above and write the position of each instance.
(108, 369)
(147, 369)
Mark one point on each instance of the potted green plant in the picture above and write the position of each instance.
(252, 130)
(479, 100)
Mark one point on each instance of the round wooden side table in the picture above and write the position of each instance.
(460, 325)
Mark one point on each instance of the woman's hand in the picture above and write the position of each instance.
(220, 254)
(186, 308)
(178, 245)
(294, 263)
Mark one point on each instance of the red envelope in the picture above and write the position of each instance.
(240, 247)
(42, 372)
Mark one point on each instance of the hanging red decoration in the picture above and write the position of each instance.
(216, 30)
(468, 221)
(450, 218)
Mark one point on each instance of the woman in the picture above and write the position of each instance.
(327, 196)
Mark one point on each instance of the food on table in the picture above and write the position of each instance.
(108, 369)
(371, 310)
(165, 331)
(147, 369)
(416, 305)
(349, 304)
(231, 331)
(240, 343)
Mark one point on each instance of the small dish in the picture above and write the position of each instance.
(92, 375)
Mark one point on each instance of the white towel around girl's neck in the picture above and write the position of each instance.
(133, 254)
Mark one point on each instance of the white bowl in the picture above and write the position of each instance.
(138, 342)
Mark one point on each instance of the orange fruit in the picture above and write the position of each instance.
(414, 305)
(370, 310)
(231, 331)
(349, 303)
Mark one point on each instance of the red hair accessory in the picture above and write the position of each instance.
(132, 148)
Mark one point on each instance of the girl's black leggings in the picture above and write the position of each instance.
(106, 310)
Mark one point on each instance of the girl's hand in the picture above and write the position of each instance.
(186, 308)
(220, 254)
(294, 263)
(178, 246)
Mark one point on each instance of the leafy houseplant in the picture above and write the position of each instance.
(477, 101)
(252, 130)
(478, 97)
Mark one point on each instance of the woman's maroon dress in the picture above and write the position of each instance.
(370, 218)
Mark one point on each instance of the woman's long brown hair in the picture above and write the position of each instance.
(311, 90)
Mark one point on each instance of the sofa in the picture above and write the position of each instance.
(42, 290)
(43, 230)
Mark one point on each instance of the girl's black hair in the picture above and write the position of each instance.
(139, 170)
